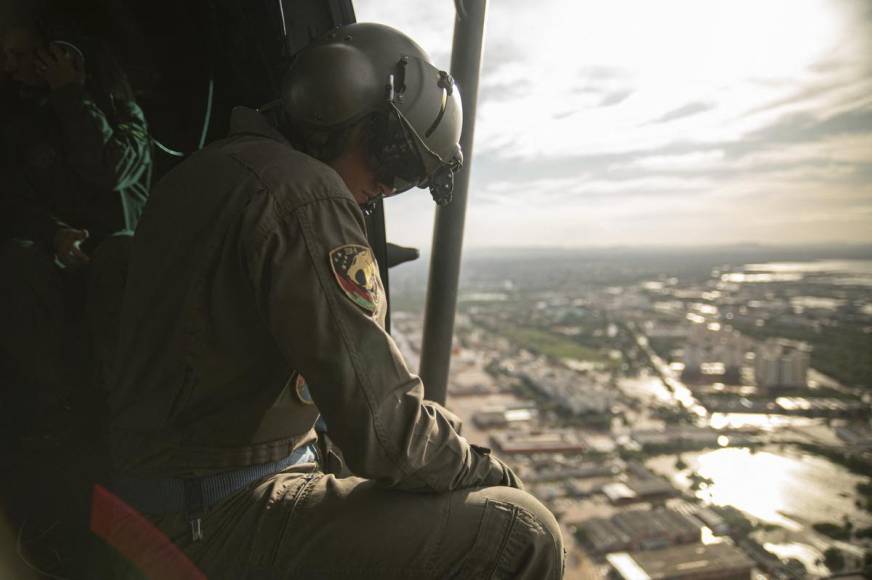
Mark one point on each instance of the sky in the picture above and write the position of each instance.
(675, 122)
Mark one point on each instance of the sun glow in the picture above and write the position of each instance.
(598, 75)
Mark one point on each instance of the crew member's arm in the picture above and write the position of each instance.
(111, 156)
(356, 375)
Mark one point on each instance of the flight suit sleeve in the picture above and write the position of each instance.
(372, 403)
(112, 156)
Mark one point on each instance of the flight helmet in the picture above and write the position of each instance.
(366, 72)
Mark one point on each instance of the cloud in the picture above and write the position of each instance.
(694, 161)
(685, 111)
(806, 127)
(615, 98)
(688, 122)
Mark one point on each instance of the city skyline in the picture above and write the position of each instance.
(683, 123)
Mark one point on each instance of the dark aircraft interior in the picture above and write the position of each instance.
(189, 64)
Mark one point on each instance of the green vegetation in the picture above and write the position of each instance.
(698, 481)
(833, 531)
(738, 522)
(551, 344)
(834, 559)
(863, 533)
(674, 415)
(664, 346)
(864, 490)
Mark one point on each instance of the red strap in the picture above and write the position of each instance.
(139, 540)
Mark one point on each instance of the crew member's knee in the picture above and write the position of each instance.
(524, 535)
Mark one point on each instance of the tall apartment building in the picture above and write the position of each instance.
(715, 347)
(781, 364)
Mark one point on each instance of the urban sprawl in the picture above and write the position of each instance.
(708, 422)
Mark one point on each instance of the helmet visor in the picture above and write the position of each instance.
(403, 160)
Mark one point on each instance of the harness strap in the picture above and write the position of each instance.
(192, 496)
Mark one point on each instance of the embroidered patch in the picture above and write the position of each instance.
(357, 275)
(302, 391)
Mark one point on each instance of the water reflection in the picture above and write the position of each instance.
(787, 490)
(766, 423)
(652, 388)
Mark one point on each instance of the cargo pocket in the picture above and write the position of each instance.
(290, 504)
(493, 539)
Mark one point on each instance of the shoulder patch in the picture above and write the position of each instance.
(301, 389)
(357, 274)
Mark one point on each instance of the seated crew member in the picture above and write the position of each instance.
(75, 166)
(253, 303)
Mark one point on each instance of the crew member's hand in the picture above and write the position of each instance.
(59, 67)
(67, 243)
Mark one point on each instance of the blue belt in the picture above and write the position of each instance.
(192, 496)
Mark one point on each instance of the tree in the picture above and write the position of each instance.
(834, 559)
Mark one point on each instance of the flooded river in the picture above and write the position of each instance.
(786, 488)
(789, 489)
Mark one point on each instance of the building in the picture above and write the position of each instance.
(566, 472)
(636, 490)
(715, 352)
(637, 530)
(491, 417)
(602, 536)
(717, 524)
(649, 530)
(545, 441)
(781, 364)
(689, 562)
(619, 493)
(676, 437)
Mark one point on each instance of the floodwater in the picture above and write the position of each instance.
(839, 272)
(767, 423)
(650, 388)
(851, 267)
(789, 489)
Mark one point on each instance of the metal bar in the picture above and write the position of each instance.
(466, 55)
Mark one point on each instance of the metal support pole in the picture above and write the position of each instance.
(448, 231)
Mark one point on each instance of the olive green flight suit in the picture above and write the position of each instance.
(250, 275)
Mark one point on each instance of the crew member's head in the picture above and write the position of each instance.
(367, 100)
(20, 44)
(52, 34)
